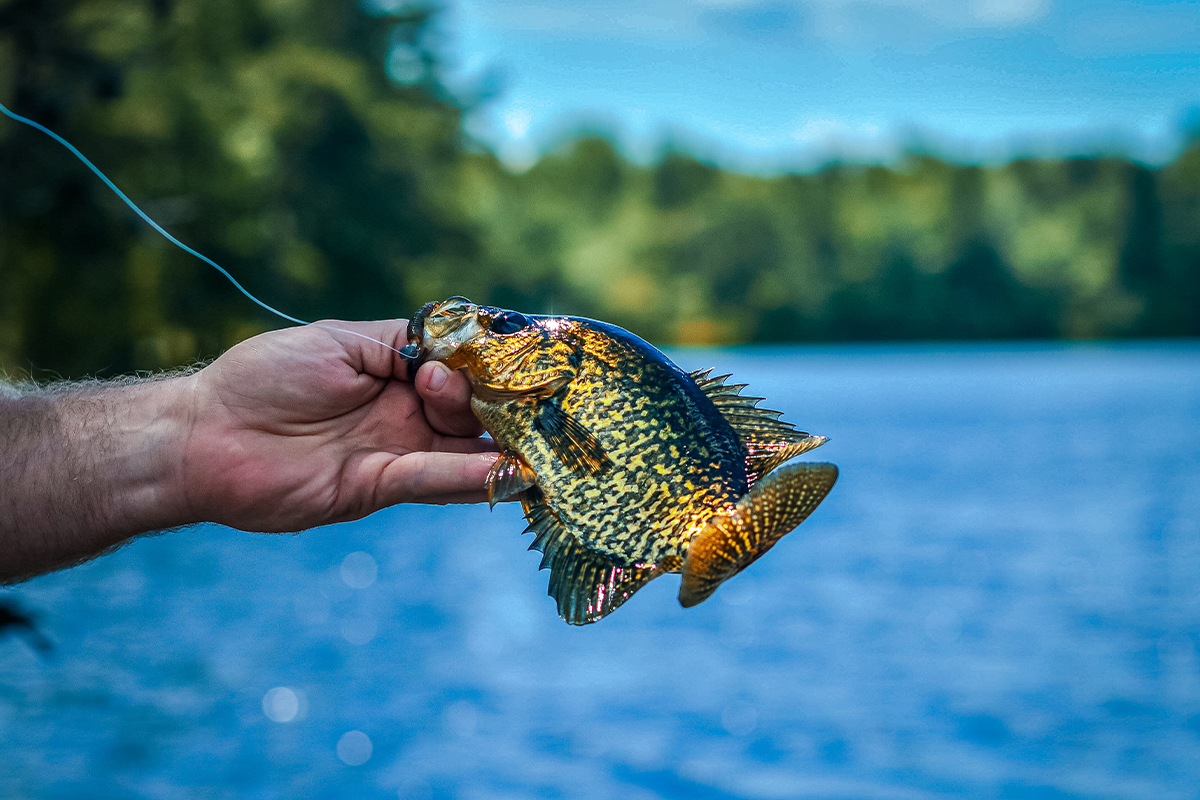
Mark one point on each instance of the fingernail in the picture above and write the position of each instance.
(438, 379)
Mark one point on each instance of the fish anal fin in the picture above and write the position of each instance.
(574, 445)
(772, 508)
(670, 564)
(508, 477)
(586, 585)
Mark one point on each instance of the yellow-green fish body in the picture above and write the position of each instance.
(626, 466)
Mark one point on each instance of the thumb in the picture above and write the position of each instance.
(446, 395)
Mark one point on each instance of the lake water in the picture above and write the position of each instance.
(999, 599)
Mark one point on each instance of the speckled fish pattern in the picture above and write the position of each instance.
(623, 461)
(671, 459)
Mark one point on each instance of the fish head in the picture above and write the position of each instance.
(438, 329)
(484, 339)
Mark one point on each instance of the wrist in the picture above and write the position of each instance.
(149, 437)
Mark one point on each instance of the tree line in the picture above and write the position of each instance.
(311, 149)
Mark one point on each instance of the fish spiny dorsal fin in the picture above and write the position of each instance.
(586, 585)
(769, 441)
(715, 386)
(730, 543)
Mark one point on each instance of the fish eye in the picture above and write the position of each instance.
(509, 322)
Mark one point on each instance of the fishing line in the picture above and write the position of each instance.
(75, 152)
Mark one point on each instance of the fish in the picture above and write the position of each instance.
(626, 466)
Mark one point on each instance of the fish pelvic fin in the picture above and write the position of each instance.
(508, 477)
(772, 508)
(586, 585)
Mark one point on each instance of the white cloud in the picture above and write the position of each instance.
(1008, 12)
(829, 136)
(674, 16)
(516, 121)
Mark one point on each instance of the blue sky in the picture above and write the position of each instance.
(790, 83)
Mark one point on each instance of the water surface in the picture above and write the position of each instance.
(1000, 599)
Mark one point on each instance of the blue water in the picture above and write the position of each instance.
(1000, 599)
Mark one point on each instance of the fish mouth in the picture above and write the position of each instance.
(437, 329)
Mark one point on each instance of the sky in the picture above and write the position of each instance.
(784, 84)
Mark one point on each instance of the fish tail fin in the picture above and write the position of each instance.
(779, 502)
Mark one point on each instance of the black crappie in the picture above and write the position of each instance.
(626, 466)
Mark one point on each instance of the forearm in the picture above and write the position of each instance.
(288, 430)
(86, 467)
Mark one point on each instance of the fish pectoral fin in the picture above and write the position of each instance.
(772, 508)
(508, 477)
(574, 445)
(586, 585)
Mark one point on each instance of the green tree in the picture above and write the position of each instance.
(305, 145)
(309, 147)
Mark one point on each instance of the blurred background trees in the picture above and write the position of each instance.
(304, 145)
(309, 147)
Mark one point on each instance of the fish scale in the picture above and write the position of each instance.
(626, 466)
(639, 510)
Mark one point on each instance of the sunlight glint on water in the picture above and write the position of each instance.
(999, 599)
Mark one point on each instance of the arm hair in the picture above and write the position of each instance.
(84, 468)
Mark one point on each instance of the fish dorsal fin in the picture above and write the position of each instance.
(586, 585)
(769, 441)
(764, 456)
(730, 543)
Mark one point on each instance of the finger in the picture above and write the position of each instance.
(371, 347)
(436, 477)
(464, 444)
(458, 498)
(447, 398)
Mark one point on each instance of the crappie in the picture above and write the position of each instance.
(626, 466)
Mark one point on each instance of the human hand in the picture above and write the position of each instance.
(306, 426)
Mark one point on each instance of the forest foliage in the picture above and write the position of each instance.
(310, 148)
